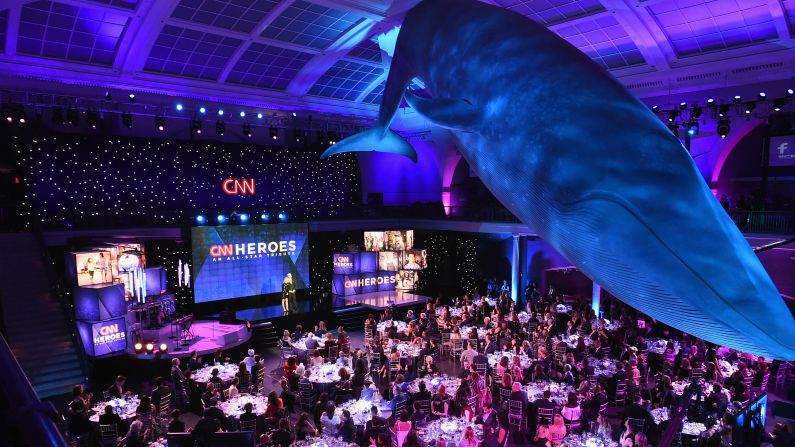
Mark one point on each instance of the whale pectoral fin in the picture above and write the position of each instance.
(374, 140)
(458, 114)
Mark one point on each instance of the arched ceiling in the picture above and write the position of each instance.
(324, 55)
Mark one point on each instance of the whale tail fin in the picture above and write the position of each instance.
(376, 139)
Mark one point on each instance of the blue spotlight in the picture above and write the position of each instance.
(201, 220)
(221, 112)
(242, 114)
(259, 116)
(202, 110)
(244, 218)
(265, 217)
(282, 216)
(179, 107)
(221, 219)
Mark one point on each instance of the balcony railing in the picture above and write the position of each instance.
(768, 222)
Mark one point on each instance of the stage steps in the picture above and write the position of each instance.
(37, 330)
(352, 317)
(264, 335)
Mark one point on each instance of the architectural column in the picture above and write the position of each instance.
(596, 298)
(515, 272)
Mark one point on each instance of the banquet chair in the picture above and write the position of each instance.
(305, 396)
(393, 437)
(445, 344)
(105, 395)
(286, 351)
(781, 374)
(545, 416)
(331, 356)
(603, 408)
(560, 352)
(457, 348)
(505, 395)
(425, 406)
(248, 425)
(621, 393)
(109, 435)
(472, 402)
(762, 388)
(394, 369)
(481, 368)
(637, 424)
(516, 414)
(164, 414)
(697, 373)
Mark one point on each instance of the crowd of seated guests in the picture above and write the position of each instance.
(641, 382)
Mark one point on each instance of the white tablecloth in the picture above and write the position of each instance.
(124, 407)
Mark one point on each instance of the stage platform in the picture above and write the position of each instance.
(209, 336)
(380, 300)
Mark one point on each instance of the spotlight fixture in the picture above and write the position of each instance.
(221, 219)
(196, 126)
(73, 117)
(674, 129)
(160, 122)
(138, 347)
(738, 99)
(265, 217)
(723, 110)
(762, 96)
(790, 92)
(242, 114)
(778, 104)
(294, 115)
(163, 347)
(274, 132)
(200, 219)
(108, 97)
(92, 117)
(655, 109)
(179, 107)
(724, 127)
(259, 116)
(247, 129)
(711, 102)
(150, 347)
(202, 110)
(750, 107)
(126, 119)
(692, 128)
(282, 216)
(332, 137)
(243, 218)
(220, 127)
(8, 114)
(682, 105)
(131, 97)
(221, 112)
(57, 116)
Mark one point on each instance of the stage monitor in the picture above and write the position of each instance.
(414, 260)
(782, 150)
(388, 240)
(388, 261)
(248, 260)
(406, 280)
(101, 338)
(346, 263)
(89, 267)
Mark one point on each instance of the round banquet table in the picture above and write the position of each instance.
(680, 385)
(405, 349)
(658, 346)
(226, 372)
(325, 375)
(360, 410)
(125, 407)
(689, 428)
(299, 346)
(464, 331)
(322, 441)
(602, 367)
(560, 392)
(495, 357)
(589, 440)
(449, 428)
(454, 311)
(233, 407)
(571, 340)
(563, 308)
(451, 385)
(400, 326)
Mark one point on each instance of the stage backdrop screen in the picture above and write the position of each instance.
(248, 260)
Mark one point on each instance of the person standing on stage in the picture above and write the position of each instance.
(288, 294)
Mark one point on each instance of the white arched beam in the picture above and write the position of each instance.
(12, 29)
(141, 34)
(651, 41)
(319, 64)
(252, 36)
(376, 82)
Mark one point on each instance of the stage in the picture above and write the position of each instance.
(208, 337)
(380, 300)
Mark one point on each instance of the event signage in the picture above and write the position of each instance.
(109, 336)
(233, 186)
(782, 150)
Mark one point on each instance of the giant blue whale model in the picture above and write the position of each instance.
(587, 165)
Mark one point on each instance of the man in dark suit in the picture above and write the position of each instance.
(213, 412)
(423, 393)
(544, 402)
(256, 370)
(480, 359)
(204, 429)
(116, 391)
(161, 390)
(110, 418)
(491, 345)
(375, 420)
(636, 410)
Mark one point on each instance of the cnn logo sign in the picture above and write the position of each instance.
(233, 186)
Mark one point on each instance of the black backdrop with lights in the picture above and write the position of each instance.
(99, 181)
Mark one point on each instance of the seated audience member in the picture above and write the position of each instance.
(347, 428)
(176, 425)
(136, 436)
(110, 418)
(304, 428)
(248, 413)
(282, 437)
(329, 422)
(117, 391)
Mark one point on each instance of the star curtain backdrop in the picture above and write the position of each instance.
(248, 260)
(103, 181)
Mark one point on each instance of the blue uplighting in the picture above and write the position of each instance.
(265, 217)
(202, 110)
(242, 114)
(179, 107)
(221, 112)
(221, 219)
(201, 220)
(282, 216)
(244, 218)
